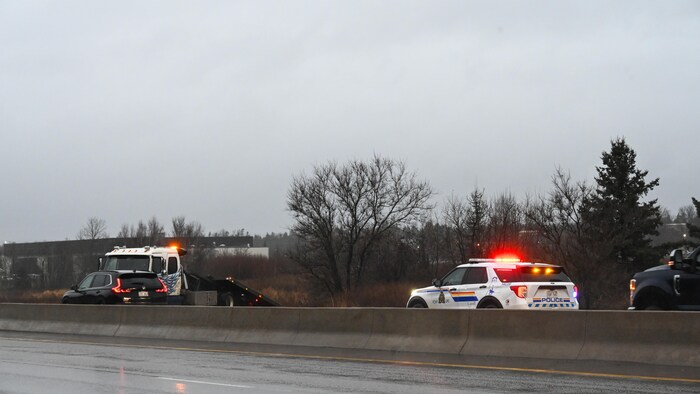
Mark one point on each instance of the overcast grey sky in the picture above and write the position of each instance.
(125, 110)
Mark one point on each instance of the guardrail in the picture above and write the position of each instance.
(658, 338)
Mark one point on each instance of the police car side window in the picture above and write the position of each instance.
(475, 275)
(454, 278)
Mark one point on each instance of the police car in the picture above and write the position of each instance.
(499, 283)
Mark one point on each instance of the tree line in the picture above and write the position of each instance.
(362, 223)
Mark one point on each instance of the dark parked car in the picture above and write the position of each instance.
(672, 286)
(118, 287)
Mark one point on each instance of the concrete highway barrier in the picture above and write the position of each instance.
(655, 338)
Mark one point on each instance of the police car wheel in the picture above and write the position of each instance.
(418, 304)
(489, 304)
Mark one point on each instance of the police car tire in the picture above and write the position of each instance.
(418, 304)
(489, 304)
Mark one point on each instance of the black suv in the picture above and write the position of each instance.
(118, 287)
(672, 286)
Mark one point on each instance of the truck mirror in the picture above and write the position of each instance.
(678, 256)
(99, 263)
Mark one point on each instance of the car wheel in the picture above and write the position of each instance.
(227, 300)
(653, 302)
(654, 305)
(64, 300)
(489, 304)
(418, 304)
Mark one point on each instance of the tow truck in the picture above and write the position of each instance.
(183, 288)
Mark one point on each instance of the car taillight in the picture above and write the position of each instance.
(119, 288)
(575, 291)
(163, 289)
(520, 291)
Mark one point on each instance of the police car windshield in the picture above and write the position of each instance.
(532, 274)
(139, 263)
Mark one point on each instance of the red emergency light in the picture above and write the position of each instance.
(507, 258)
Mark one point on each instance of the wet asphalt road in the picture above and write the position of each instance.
(40, 366)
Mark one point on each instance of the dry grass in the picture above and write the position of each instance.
(32, 297)
(297, 291)
(378, 295)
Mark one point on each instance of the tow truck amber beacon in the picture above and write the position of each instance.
(501, 282)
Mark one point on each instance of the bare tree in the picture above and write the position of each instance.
(456, 216)
(185, 233)
(665, 216)
(126, 231)
(341, 212)
(686, 214)
(505, 222)
(141, 234)
(155, 231)
(565, 238)
(179, 227)
(188, 236)
(95, 228)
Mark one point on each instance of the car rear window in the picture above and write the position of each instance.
(534, 273)
(139, 281)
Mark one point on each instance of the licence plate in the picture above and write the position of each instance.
(143, 294)
(552, 295)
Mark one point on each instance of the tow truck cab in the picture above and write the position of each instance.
(672, 286)
(163, 261)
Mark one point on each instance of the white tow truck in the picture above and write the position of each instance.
(183, 288)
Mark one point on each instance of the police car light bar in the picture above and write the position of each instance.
(507, 258)
(496, 260)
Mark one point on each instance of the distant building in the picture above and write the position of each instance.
(672, 233)
(234, 251)
(62, 263)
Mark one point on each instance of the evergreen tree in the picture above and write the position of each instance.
(616, 215)
(694, 231)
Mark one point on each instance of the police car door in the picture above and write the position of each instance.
(472, 289)
(442, 297)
